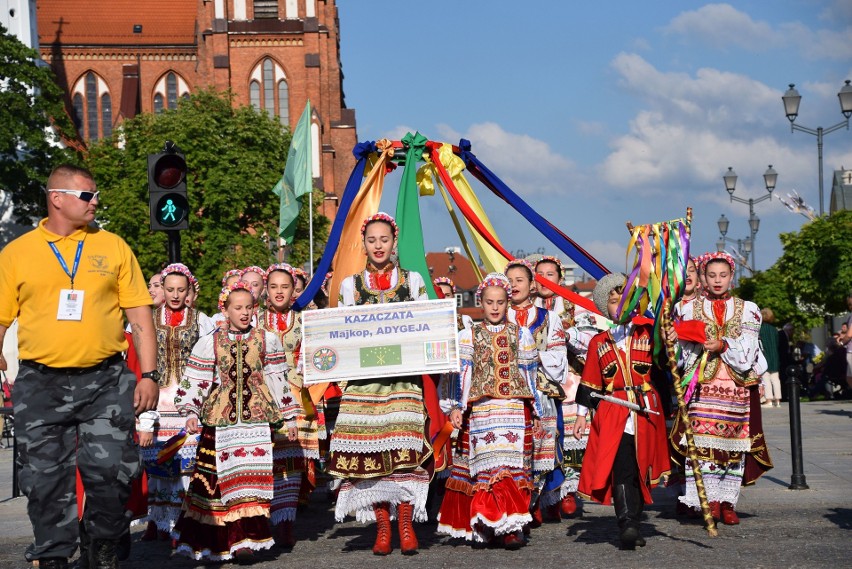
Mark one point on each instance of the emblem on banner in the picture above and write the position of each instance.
(325, 359)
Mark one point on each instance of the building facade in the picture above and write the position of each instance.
(117, 58)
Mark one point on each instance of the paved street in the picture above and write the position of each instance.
(780, 528)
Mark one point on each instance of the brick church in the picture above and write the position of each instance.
(117, 58)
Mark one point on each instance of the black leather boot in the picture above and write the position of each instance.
(53, 563)
(635, 505)
(623, 502)
(103, 554)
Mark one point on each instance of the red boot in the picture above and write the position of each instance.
(729, 516)
(407, 537)
(513, 541)
(150, 532)
(569, 504)
(284, 535)
(536, 516)
(383, 529)
(716, 510)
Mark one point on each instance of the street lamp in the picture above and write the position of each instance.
(770, 178)
(791, 101)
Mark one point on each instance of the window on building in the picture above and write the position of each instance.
(265, 8)
(106, 114)
(459, 300)
(477, 301)
(168, 90)
(269, 91)
(92, 107)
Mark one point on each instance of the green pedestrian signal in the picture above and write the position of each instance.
(168, 202)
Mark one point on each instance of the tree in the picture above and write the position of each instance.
(235, 155)
(32, 115)
(813, 277)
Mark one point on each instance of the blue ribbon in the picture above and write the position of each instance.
(565, 244)
(362, 152)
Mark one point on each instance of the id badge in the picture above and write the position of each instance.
(70, 304)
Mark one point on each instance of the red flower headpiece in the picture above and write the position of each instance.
(520, 263)
(179, 269)
(446, 281)
(226, 293)
(381, 216)
(550, 259)
(231, 273)
(718, 256)
(494, 279)
(254, 269)
(283, 267)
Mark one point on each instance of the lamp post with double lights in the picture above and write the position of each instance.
(791, 107)
(770, 178)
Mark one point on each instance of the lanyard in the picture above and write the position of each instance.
(62, 262)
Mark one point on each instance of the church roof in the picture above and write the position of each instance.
(463, 275)
(112, 22)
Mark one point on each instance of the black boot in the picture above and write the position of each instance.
(628, 524)
(53, 563)
(103, 554)
(124, 545)
(636, 504)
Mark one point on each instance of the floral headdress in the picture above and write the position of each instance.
(283, 267)
(550, 259)
(520, 263)
(445, 281)
(231, 273)
(719, 256)
(254, 269)
(494, 279)
(301, 273)
(179, 269)
(325, 281)
(381, 216)
(226, 293)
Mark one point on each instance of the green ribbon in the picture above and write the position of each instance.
(412, 253)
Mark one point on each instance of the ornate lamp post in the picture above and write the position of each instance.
(791, 101)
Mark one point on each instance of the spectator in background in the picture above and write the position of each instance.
(769, 344)
(785, 350)
(846, 340)
(9, 367)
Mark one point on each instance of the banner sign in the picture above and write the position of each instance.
(379, 340)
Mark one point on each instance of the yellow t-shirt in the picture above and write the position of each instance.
(31, 279)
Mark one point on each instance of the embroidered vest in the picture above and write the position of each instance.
(400, 293)
(731, 329)
(174, 345)
(242, 395)
(291, 339)
(495, 366)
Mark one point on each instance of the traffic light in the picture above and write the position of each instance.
(167, 199)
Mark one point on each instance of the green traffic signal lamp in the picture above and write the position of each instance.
(168, 202)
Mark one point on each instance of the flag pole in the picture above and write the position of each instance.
(311, 233)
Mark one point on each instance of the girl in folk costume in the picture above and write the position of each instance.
(383, 473)
(299, 283)
(578, 333)
(491, 402)
(724, 406)
(235, 389)
(177, 328)
(292, 457)
(230, 277)
(627, 453)
(546, 329)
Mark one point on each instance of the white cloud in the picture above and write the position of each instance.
(397, 132)
(591, 128)
(526, 164)
(722, 26)
(610, 253)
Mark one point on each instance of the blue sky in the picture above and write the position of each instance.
(600, 113)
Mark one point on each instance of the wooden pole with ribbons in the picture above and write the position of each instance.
(671, 354)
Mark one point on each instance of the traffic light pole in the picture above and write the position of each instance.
(174, 246)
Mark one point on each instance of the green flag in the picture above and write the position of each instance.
(377, 356)
(297, 179)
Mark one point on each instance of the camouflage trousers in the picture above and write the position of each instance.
(65, 421)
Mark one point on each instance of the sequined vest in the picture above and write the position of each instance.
(174, 344)
(731, 329)
(400, 293)
(495, 365)
(242, 395)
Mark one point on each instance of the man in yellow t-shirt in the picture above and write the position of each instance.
(67, 283)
